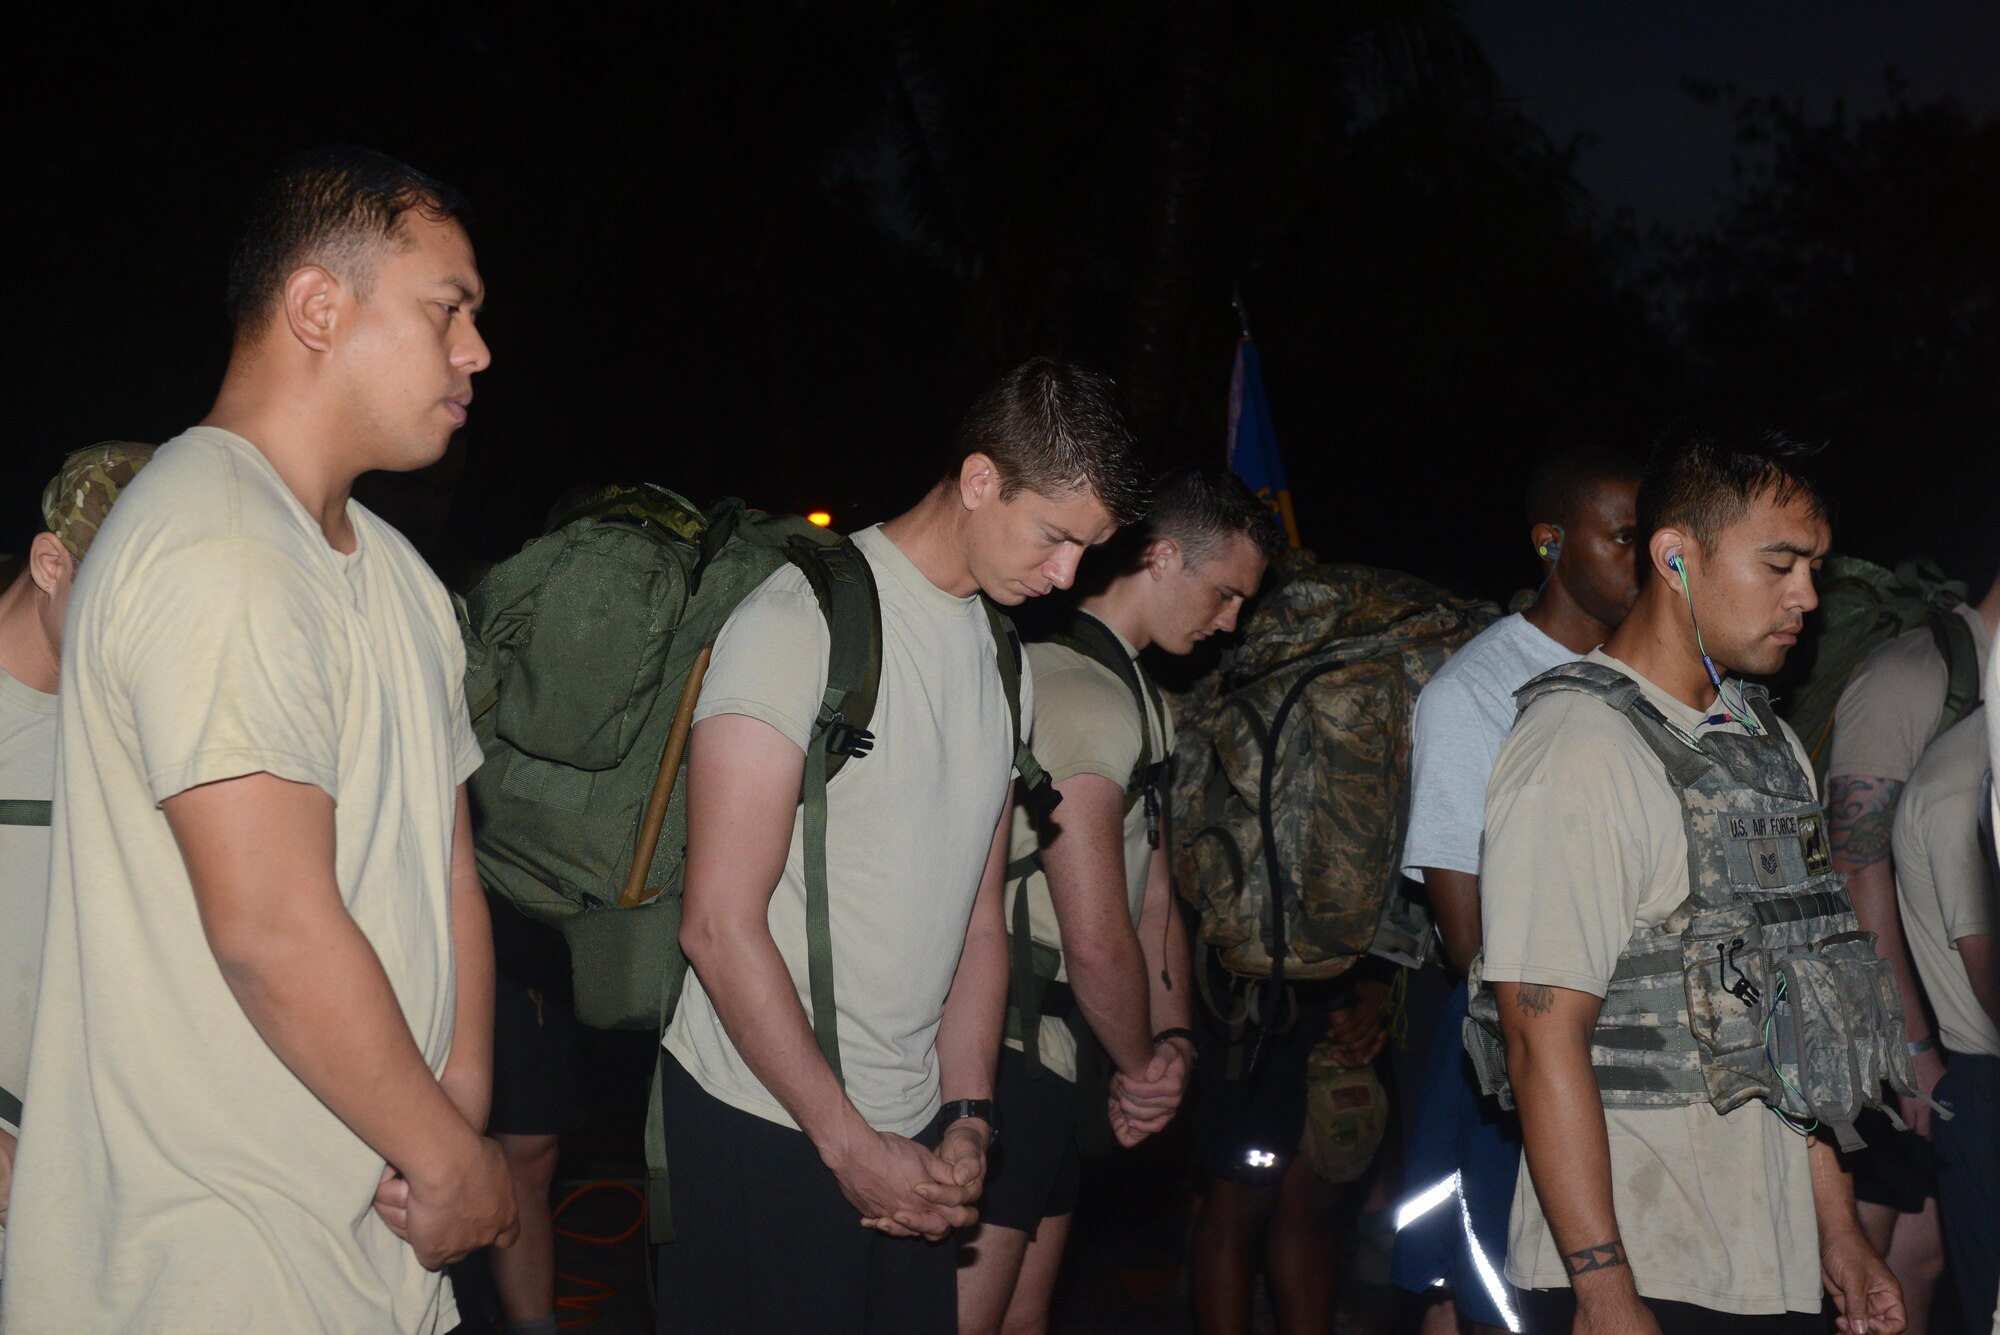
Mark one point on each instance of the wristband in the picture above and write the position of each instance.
(1928, 1043)
(960, 1109)
(1167, 1035)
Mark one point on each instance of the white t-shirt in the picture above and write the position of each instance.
(1462, 719)
(175, 1176)
(1584, 845)
(908, 828)
(1085, 723)
(27, 773)
(1942, 881)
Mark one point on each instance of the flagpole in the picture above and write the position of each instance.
(1242, 311)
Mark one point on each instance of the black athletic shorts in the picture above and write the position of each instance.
(1248, 1130)
(765, 1244)
(1896, 1168)
(1034, 1168)
(535, 1076)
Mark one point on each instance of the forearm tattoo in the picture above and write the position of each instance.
(1860, 813)
(1604, 1256)
(1534, 998)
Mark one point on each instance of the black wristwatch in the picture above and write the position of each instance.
(960, 1109)
(1168, 1035)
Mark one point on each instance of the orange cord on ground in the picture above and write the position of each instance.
(583, 1306)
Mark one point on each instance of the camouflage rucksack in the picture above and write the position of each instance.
(1861, 607)
(1293, 763)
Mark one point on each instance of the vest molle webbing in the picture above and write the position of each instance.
(1761, 985)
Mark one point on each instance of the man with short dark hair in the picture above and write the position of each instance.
(805, 1198)
(263, 1035)
(1089, 889)
(1657, 902)
(75, 504)
(1465, 1153)
(1889, 711)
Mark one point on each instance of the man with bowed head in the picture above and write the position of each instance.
(1642, 804)
(266, 999)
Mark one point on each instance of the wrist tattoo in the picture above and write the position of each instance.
(1604, 1256)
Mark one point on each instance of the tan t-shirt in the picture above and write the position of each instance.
(1891, 706)
(908, 828)
(175, 1176)
(27, 773)
(1085, 723)
(1942, 880)
(1584, 844)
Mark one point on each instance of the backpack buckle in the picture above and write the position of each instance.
(1041, 797)
(844, 739)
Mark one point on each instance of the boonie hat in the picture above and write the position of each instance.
(80, 495)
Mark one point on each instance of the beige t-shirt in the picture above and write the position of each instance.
(908, 828)
(1942, 880)
(1891, 706)
(175, 1176)
(1584, 844)
(1085, 723)
(27, 773)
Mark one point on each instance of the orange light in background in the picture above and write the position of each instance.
(820, 518)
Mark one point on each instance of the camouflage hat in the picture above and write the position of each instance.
(78, 497)
(1347, 1112)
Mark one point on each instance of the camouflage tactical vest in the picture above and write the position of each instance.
(1761, 985)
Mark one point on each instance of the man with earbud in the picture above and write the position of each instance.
(1465, 1152)
(1665, 939)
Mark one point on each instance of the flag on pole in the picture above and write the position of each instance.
(1253, 445)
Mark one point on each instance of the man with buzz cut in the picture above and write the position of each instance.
(1465, 1153)
(75, 504)
(1668, 954)
(805, 1198)
(263, 1035)
(1089, 894)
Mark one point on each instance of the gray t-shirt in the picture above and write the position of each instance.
(1462, 719)
(27, 773)
(908, 828)
(1942, 881)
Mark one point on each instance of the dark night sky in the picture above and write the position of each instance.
(675, 293)
(1613, 72)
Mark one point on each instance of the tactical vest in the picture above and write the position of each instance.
(1761, 985)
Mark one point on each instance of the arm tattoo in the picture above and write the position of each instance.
(1860, 814)
(1534, 999)
(1604, 1256)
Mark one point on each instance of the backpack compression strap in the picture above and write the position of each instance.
(24, 811)
(845, 587)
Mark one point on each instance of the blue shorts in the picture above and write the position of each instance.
(1463, 1161)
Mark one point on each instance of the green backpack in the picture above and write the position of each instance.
(584, 659)
(1861, 607)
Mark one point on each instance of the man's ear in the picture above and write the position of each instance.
(1546, 539)
(1667, 546)
(49, 563)
(978, 481)
(311, 297)
(1163, 556)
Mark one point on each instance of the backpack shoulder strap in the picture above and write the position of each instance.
(845, 587)
(1961, 668)
(1087, 635)
(1039, 794)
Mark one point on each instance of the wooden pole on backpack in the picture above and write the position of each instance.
(635, 891)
